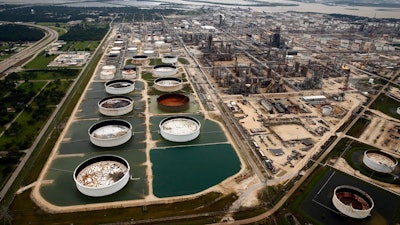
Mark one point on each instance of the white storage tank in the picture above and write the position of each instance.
(398, 110)
(109, 67)
(110, 133)
(132, 49)
(168, 84)
(352, 202)
(180, 128)
(327, 110)
(116, 49)
(169, 59)
(115, 105)
(379, 161)
(164, 70)
(107, 74)
(102, 175)
(119, 86)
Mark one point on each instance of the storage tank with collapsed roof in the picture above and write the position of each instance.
(110, 133)
(115, 105)
(180, 128)
(352, 202)
(119, 86)
(102, 175)
(379, 161)
(168, 84)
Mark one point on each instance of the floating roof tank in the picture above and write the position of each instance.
(352, 202)
(168, 84)
(119, 86)
(115, 105)
(102, 175)
(110, 133)
(165, 70)
(379, 161)
(180, 128)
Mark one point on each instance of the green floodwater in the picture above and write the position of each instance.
(187, 170)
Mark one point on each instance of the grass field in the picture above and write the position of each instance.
(50, 74)
(40, 62)
(80, 46)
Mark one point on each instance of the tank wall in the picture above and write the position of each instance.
(120, 91)
(381, 168)
(180, 138)
(99, 192)
(169, 60)
(168, 88)
(111, 142)
(116, 112)
(349, 211)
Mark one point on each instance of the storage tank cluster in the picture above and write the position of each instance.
(352, 202)
(180, 128)
(379, 161)
(106, 174)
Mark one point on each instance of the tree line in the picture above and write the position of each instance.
(19, 33)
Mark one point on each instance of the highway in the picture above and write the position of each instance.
(11, 64)
(49, 37)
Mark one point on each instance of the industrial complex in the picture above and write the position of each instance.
(261, 98)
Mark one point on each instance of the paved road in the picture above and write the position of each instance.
(8, 65)
(50, 36)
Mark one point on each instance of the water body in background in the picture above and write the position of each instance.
(378, 12)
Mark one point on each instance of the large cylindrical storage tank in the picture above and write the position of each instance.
(114, 53)
(118, 43)
(115, 105)
(379, 161)
(168, 84)
(165, 70)
(149, 52)
(173, 102)
(327, 110)
(110, 133)
(140, 59)
(180, 128)
(116, 49)
(398, 110)
(169, 59)
(129, 72)
(107, 74)
(352, 202)
(102, 175)
(110, 68)
(132, 49)
(119, 87)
